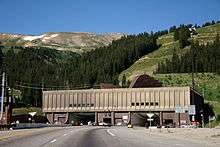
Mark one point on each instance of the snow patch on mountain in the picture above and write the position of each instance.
(31, 38)
(44, 39)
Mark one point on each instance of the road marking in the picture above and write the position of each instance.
(64, 134)
(71, 131)
(110, 133)
(52, 141)
(178, 144)
(16, 134)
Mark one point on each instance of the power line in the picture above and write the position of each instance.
(44, 88)
(53, 86)
(30, 87)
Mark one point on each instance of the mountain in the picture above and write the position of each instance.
(76, 41)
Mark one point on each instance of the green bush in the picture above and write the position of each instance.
(218, 117)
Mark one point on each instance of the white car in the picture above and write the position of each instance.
(104, 124)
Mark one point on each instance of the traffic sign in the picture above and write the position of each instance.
(192, 110)
(150, 119)
(32, 113)
(179, 109)
(150, 115)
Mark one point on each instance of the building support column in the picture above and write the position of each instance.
(96, 118)
(53, 118)
(161, 119)
(179, 120)
(188, 119)
(113, 118)
(129, 117)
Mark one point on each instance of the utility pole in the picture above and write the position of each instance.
(193, 68)
(2, 95)
(42, 89)
(193, 80)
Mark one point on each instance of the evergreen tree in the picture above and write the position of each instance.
(176, 34)
(184, 35)
(124, 81)
(172, 29)
(200, 58)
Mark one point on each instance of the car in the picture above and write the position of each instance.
(104, 124)
(119, 124)
(130, 126)
(184, 126)
(169, 126)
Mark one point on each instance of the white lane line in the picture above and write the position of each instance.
(52, 141)
(64, 134)
(110, 133)
(179, 145)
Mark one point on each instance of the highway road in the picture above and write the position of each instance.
(86, 136)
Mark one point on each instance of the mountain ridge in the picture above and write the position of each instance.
(71, 41)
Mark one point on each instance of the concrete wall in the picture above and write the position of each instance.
(122, 99)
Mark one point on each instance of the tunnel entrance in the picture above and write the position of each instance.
(81, 118)
(141, 119)
(107, 120)
(154, 122)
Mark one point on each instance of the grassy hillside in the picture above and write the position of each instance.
(148, 63)
(208, 84)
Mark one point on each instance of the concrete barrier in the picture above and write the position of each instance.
(36, 125)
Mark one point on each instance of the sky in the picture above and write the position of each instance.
(100, 16)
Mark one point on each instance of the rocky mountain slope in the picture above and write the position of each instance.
(76, 42)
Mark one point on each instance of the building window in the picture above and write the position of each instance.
(92, 105)
(156, 103)
(132, 104)
(151, 103)
(70, 105)
(137, 104)
(88, 105)
(83, 105)
(147, 103)
(79, 105)
(74, 105)
(142, 104)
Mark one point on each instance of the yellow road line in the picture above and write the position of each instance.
(5, 138)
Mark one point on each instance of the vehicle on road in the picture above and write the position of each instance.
(130, 126)
(104, 124)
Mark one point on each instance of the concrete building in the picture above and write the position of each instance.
(121, 105)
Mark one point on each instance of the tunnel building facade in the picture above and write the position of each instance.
(123, 104)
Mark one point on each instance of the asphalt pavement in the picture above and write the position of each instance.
(90, 136)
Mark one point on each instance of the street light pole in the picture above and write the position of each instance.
(193, 66)
(2, 95)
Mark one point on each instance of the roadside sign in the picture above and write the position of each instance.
(193, 118)
(150, 119)
(124, 117)
(150, 115)
(32, 113)
(179, 109)
(192, 110)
